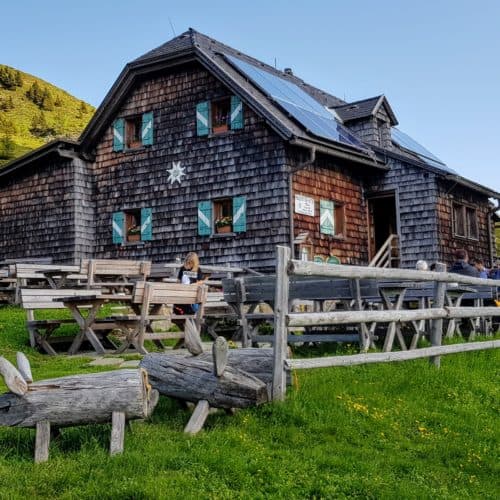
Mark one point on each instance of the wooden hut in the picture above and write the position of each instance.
(200, 147)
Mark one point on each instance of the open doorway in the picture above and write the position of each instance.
(383, 224)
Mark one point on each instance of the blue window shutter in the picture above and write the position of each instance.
(146, 224)
(236, 113)
(239, 214)
(118, 134)
(327, 222)
(118, 225)
(205, 218)
(202, 118)
(147, 129)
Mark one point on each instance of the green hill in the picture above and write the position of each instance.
(33, 112)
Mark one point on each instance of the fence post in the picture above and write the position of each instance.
(280, 329)
(437, 324)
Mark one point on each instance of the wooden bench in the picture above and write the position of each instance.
(246, 294)
(114, 275)
(41, 330)
(148, 298)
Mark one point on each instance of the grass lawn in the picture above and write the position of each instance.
(376, 431)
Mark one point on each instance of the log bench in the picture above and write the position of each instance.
(41, 330)
(116, 396)
(247, 294)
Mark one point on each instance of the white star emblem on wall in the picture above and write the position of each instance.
(176, 173)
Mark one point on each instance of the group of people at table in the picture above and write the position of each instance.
(466, 267)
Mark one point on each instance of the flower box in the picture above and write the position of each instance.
(224, 229)
(134, 237)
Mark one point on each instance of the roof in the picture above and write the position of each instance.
(365, 108)
(194, 46)
(55, 147)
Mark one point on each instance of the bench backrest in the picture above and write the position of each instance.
(253, 289)
(35, 298)
(168, 293)
(99, 269)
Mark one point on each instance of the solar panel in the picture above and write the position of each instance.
(406, 142)
(298, 103)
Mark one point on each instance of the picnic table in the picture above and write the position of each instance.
(92, 304)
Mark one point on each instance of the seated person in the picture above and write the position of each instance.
(462, 266)
(189, 273)
(479, 265)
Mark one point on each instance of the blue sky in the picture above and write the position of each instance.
(437, 62)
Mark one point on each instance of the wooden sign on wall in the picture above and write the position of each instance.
(304, 205)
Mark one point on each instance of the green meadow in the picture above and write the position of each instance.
(394, 430)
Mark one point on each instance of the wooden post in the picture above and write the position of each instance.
(280, 327)
(23, 365)
(117, 432)
(42, 441)
(240, 298)
(220, 355)
(437, 324)
(12, 377)
(198, 418)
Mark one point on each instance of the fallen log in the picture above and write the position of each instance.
(256, 362)
(80, 399)
(193, 379)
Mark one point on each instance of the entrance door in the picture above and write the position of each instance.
(383, 221)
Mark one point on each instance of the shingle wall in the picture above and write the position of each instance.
(249, 162)
(37, 212)
(416, 195)
(327, 180)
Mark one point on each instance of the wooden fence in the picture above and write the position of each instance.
(286, 267)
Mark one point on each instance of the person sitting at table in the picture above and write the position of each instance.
(189, 273)
(479, 265)
(462, 266)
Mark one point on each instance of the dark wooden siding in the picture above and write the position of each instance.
(449, 194)
(37, 210)
(416, 195)
(329, 181)
(250, 163)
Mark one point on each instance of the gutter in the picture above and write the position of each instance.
(300, 166)
(338, 153)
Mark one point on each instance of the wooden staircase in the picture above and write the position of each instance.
(388, 254)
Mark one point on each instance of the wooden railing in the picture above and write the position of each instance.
(388, 254)
(285, 267)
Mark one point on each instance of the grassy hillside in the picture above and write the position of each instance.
(398, 430)
(33, 112)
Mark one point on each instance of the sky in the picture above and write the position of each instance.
(437, 62)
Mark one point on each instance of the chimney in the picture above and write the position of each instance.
(288, 71)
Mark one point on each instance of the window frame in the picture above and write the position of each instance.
(133, 140)
(216, 105)
(222, 208)
(339, 219)
(465, 221)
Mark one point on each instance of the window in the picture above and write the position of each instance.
(221, 112)
(465, 221)
(132, 226)
(133, 132)
(219, 116)
(332, 218)
(223, 215)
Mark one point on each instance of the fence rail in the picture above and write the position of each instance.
(284, 320)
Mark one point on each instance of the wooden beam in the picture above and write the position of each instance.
(280, 328)
(198, 418)
(42, 441)
(387, 357)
